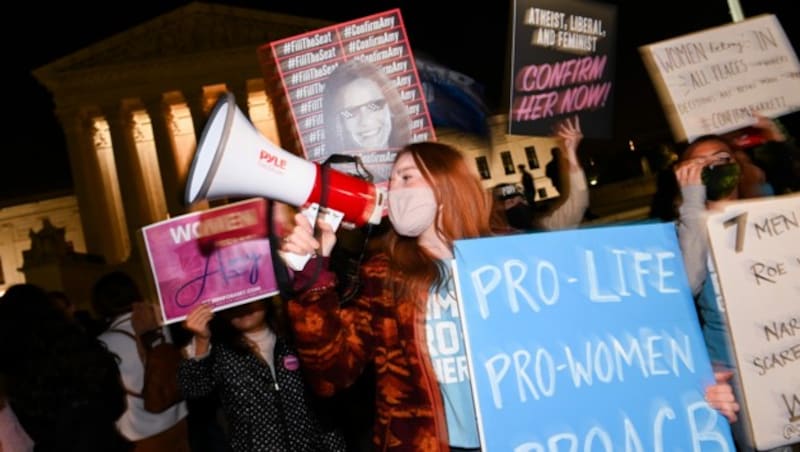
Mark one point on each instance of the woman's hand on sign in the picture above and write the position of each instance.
(720, 395)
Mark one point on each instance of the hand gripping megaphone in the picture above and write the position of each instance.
(233, 159)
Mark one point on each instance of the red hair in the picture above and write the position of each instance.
(465, 208)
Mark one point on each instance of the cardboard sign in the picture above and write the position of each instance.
(756, 249)
(350, 89)
(711, 82)
(563, 62)
(585, 340)
(189, 266)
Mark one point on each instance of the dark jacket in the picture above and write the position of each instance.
(264, 413)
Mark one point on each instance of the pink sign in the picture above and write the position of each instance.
(188, 271)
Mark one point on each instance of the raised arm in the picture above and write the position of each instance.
(692, 234)
(334, 342)
(574, 199)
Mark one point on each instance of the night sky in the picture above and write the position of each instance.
(469, 39)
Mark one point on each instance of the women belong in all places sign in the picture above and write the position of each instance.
(219, 256)
(714, 80)
(585, 340)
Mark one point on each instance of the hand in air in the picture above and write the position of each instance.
(569, 130)
(769, 128)
(689, 172)
(197, 321)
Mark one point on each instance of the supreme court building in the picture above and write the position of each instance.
(133, 106)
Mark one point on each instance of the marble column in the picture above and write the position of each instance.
(196, 102)
(129, 171)
(160, 121)
(103, 231)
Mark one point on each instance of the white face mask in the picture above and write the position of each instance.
(412, 210)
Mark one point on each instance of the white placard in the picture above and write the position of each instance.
(756, 250)
(711, 81)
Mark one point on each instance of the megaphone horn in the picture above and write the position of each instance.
(233, 159)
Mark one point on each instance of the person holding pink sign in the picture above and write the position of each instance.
(435, 198)
(256, 374)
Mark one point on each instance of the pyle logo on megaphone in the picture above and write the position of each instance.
(223, 166)
(271, 161)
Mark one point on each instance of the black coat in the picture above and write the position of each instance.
(263, 414)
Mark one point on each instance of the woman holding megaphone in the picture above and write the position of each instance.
(434, 199)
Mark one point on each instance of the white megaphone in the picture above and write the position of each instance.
(233, 159)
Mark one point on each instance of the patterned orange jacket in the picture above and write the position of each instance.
(337, 342)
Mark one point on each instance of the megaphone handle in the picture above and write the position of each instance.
(333, 217)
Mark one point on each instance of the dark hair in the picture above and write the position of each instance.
(335, 138)
(224, 333)
(114, 294)
(65, 386)
(29, 321)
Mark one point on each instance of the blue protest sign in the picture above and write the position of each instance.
(585, 340)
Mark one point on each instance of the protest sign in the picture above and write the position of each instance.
(219, 256)
(563, 62)
(350, 89)
(756, 249)
(712, 81)
(585, 340)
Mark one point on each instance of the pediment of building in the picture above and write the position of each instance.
(189, 31)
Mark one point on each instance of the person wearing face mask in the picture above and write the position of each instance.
(712, 171)
(407, 293)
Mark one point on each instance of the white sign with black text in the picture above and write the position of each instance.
(713, 81)
(756, 249)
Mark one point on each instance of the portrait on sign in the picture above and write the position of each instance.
(349, 89)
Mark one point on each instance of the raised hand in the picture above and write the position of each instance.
(197, 321)
(769, 129)
(689, 172)
(569, 130)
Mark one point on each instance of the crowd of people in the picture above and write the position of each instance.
(261, 376)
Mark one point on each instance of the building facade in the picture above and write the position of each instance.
(132, 108)
(21, 222)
